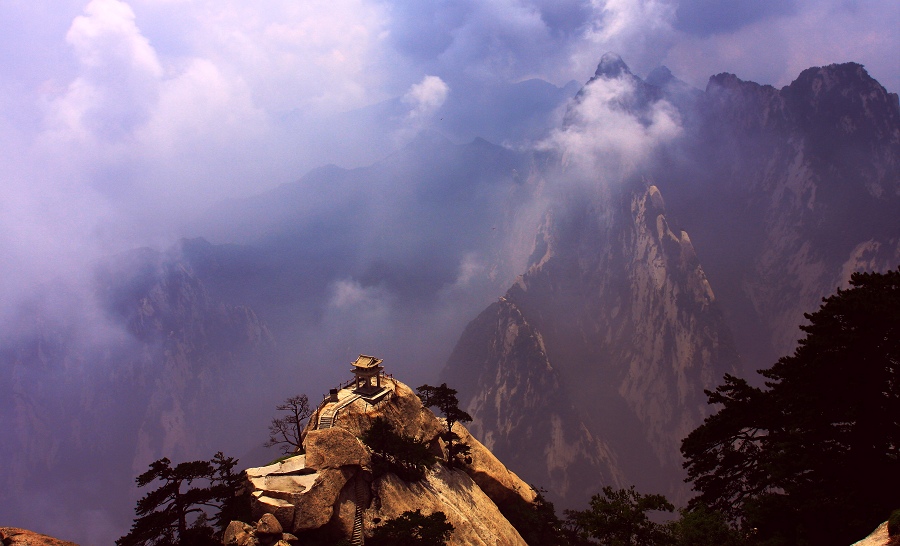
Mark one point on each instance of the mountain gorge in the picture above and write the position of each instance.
(159, 381)
(660, 237)
(784, 193)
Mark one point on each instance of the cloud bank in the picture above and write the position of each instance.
(123, 120)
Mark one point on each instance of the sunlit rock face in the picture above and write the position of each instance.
(11, 536)
(332, 486)
(591, 368)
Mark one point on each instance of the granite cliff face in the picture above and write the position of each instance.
(616, 328)
(788, 192)
(331, 490)
(158, 388)
(591, 368)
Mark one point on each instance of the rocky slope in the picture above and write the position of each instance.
(615, 329)
(332, 486)
(591, 368)
(12, 536)
(92, 415)
(787, 192)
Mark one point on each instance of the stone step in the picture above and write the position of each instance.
(325, 421)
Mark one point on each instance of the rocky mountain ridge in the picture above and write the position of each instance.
(333, 489)
(784, 192)
(598, 355)
(159, 387)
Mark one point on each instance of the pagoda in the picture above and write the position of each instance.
(365, 368)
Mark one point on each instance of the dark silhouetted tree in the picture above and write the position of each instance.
(173, 513)
(444, 399)
(814, 457)
(620, 518)
(228, 491)
(411, 528)
(396, 452)
(701, 526)
(287, 431)
(177, 512)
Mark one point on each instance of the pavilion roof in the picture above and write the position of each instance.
(366, 361)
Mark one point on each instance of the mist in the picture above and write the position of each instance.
(335, 178)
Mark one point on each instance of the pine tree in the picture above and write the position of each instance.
(814, 457)
(444, 399)
(177, 512)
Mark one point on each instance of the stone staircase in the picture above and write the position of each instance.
(326, 420)
(357, 538)
(327, 417)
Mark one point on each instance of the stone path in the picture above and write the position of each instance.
(357, 538)
(326, 418)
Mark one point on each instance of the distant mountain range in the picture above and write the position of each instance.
(588, 369)
(591, 368)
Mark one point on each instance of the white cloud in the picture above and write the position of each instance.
(638, 30)
(606, 139)
(424, 100)
(426, 97)
(120, 73)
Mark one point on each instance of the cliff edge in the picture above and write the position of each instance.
(333, 491)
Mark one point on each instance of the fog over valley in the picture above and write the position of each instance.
(581, 214)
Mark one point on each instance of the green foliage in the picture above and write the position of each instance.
(444, 399)
(405, 456)
(620, 518)
(702, 526)
(814, 457)
(176, 512)
(228, 490)
(287, 431)
(537, 521)
(411, 528)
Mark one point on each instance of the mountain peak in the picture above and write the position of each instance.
(660, 76)
(611, 66)
(310, 493)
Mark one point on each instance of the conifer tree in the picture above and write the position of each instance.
(814, 457)
(444, 399)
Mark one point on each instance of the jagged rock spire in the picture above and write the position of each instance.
(611, 66)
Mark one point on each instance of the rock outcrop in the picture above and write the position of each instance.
(591, 368)
(331, 489)
(12, 536)
(595, 361)
(879, 537)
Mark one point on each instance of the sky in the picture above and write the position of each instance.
(121, 121)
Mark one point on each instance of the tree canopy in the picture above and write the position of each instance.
(619, 517)
(814, 456)
(177, 512)
(411, 528)
(404, 455)
(444, 399)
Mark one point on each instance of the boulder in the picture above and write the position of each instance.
(13, 536)
(268, 525)
(282, 509)
(322, 489)
(333, 448)
(236, 533)
(315, 507)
